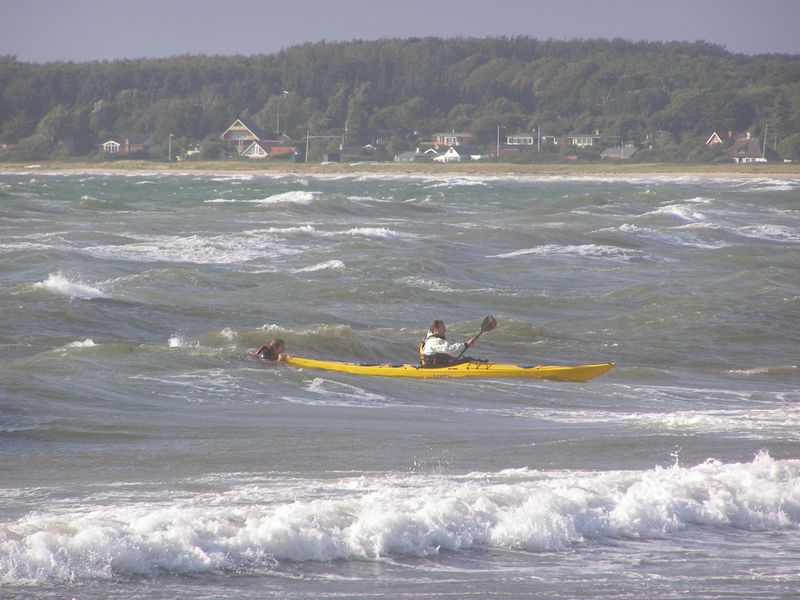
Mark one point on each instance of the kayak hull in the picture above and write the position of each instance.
(486, 370)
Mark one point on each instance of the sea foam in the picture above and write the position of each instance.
(593, 251)
(58, 283)
(252, 525)
(332, 265)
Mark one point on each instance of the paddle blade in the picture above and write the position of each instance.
(489, 323)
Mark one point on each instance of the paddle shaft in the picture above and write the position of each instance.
(488, 324)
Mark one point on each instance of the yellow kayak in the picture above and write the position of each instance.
(471, 368)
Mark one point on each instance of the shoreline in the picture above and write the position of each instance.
(494, 170)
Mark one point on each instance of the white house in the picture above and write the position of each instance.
(520, 139)
(111, 147)
(451, 139)
(268, 149)
(255, 150)
(459, 154)
(582, 140)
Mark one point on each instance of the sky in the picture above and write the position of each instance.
(87, 30)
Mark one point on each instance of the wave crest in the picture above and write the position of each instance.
(252, 525)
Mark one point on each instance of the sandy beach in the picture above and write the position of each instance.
(231, 167)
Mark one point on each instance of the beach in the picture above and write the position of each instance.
(477, 169)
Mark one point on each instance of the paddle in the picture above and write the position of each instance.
(489, 323)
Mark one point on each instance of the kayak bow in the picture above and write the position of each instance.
(470, 368)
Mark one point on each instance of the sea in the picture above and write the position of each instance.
(145, 455)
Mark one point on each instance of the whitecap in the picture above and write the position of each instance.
(87, 343)
(374, 233)
(772, 233)
(294, 197)
(678, 211)
(294, 229)
(368, 517)
(59, 283)
(591, 251)
(333, 265)
(229, 334)
(178, 341)
(432, 285)
(221, 249)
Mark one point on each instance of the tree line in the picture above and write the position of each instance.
(667, 96)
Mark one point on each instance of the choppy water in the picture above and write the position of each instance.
(144, 455)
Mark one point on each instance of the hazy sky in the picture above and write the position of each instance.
(80, 30)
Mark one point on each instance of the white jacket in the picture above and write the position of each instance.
(435, 345)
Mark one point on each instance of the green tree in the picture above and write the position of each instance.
(359, 109)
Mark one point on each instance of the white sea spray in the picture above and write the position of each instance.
(397, 515)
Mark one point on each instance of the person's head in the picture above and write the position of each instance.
(278, 345)
(438, 327)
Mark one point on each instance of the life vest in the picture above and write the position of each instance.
(438, 359)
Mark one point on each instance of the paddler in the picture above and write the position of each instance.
(274, 351)
(436, 351)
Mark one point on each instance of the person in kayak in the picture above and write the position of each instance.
(274, 351)
(436, 351)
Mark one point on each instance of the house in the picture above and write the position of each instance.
(111, 147)
(127, 146)
(277, 151)
(242, 133)
(368, 152)
(521, 139)
(460, 153)
(583, 140)
(451, 139)
(411, 156)
(622, 152)
(550, 139)
(750, 150)
(714, 139)
(268, 149)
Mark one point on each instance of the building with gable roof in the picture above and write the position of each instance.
(242, 133)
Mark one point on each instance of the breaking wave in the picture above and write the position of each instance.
(253, 525)
(58, 283)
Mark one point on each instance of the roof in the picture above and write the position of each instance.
(625, 151)
(462, 149)
(130, 141)
(271, 147)
(746, 148)
(247, 124)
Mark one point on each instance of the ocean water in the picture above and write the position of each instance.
(144, 455)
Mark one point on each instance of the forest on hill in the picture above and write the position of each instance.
(666, 97)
